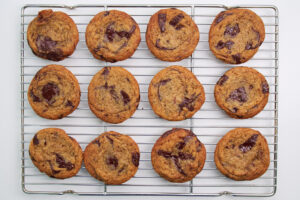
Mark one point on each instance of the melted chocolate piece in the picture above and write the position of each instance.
(125, 96)
(35, 140)
(265, 87)
(52, 169)
(237, 58)
(109, 32)
(34, 98)
(160, 83)
(176, 162)
(120, 170)
(45, 43)
(249, 45)
(164, 153)
(106, 13)
(161, 21)
(239, 95)
(250, 87)
(249, 144)
(49, 91)
(112, 161)
(222, 16)
(232, 31)
(125, 33)
(135, 158)
(55, 55)
(228, 44)
(179, 26)
(62, 163)
(111, 141)
(97, 142)
(222, 80)
(257, 35)
(157, 45)
(188, 102)
(234, 110)
(181, 145)
(185, 156)
(69, 103)
(175, 20)
(114, 95)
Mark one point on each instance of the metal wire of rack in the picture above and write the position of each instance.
(209, 124)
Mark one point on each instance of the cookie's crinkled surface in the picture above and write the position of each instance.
(52, 35)
(54, 92)
(172, 35)
(112, 36)
(112, 158)
(235, 35)
(175, 93)
(242, 92)
(178, 155)
(113, 94)
(242, 154)
(53, 152)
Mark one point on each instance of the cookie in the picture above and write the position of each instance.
(242, 154)
(242, 92)
(172, 35)
(55, 153)
(52, 35)
(112, 158)
(112, 36)
(113, 94)
(178, 155)
(54, 92)
(235, 35)
(175, 93)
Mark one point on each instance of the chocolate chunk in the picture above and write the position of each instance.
(239, 95)
(222, 80)
(45, 43)
(97, 142)
(157, 45)
(120, 170)
(55, 55)
(237, 58)
(228, 44)
(125, 96)
(176, 162)
(34, 98)
(185, 156)
(164, 153)
(249, 144)
(188, 102)
(112, 161)
(161, 21)
(135, 158)
(109, 32)
(232, 31)
(250, 87)
(69, 103)
(265, 87)
(114, 95)
(160, 83)
(234, 110)
(62, 163)
(175, 20)
(35, 140)
(49, 91)
(249, 45)
(181, 145)
(111, 141)
(257, 34)
(179, 26)
(106, 13)
(169, 132)
(52, 169)
(222, 16)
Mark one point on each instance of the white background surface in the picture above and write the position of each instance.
(289, 98)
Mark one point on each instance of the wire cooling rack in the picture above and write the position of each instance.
(209, 124)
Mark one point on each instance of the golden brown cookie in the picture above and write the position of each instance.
(235, 35)
(55, 153)
(113, 94)
(54, 92)
(112, 36)
(175, 93)
(52, 35)
(172, 35)
(178, 155)
(112, 158)
(242, 154)
(242, 92)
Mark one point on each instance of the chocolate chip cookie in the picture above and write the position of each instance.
(178, 155)
(112, 158)
(55, 153)
(242, 154)
(175, 93)
(52, 35)
(54, 92)
(242, 92)
(172, 35)
(112, 36)
(235, 35)
(113, 94)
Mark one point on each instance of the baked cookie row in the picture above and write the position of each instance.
(177, 155)
(234, 37)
